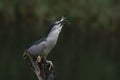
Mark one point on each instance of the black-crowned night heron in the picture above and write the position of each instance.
(42, 47)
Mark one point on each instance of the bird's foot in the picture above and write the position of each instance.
(38, 59)
(50, 63)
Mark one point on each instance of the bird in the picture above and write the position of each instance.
(41, 48)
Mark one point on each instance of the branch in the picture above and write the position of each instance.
(40, 69)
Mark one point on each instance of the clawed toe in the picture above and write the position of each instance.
(50, 63)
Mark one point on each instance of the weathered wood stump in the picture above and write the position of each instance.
(41, 69)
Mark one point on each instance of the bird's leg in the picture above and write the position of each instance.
(38, 59)
(50, 63)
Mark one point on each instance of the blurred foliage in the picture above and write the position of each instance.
(88, 47)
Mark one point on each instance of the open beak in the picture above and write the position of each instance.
(63, 19)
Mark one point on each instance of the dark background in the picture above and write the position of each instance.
(88, 47)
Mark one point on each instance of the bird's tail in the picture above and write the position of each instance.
(28, 58)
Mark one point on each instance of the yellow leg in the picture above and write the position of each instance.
(38, 59)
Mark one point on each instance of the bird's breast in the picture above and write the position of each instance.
(46, 51)
(50, 44)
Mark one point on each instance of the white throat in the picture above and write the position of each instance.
(54, 34)
(53, 37)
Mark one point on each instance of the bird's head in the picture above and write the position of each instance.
(57, 25)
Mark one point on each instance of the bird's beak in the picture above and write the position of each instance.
(63, 19)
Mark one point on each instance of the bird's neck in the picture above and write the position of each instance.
(53, 36)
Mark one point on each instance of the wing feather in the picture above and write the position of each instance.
(37, 49)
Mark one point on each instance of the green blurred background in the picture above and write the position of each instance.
(88, 47)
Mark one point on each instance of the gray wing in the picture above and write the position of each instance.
(37, 49)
